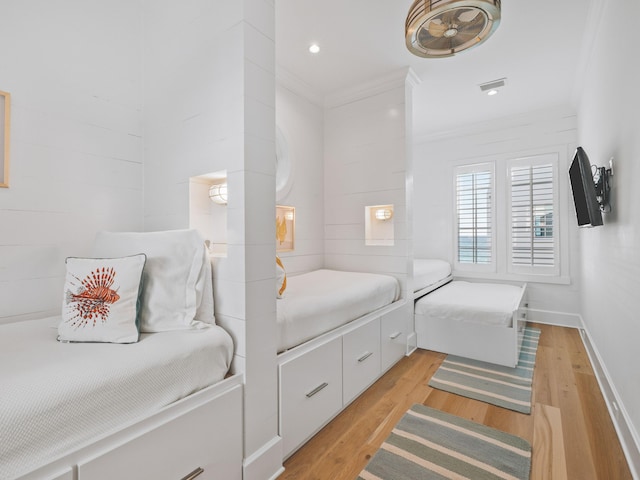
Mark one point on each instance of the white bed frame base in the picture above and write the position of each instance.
(488, 343)
(397, 314)
(203, 430)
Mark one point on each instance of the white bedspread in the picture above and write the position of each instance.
(487, 303)
(322, 300)
(429, 271)
(56, 397)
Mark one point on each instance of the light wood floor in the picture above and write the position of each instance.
(570, 429)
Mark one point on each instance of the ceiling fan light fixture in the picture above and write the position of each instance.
(442, 28)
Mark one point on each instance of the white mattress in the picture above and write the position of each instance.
(486, 303)
(57, 397)
(322, 300)
(429, 271)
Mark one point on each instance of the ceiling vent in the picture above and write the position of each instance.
(442, 28)
(491, 88)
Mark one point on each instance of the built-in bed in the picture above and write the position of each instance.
(337, 333)
(158, 408)
(482, 321)
(429, 274)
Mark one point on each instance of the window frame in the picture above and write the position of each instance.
(565, 218)
(467, 169)
(552, 159)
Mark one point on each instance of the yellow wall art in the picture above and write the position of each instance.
(285, 226)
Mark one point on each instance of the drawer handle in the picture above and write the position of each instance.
(365, 356)
(317, 389)
(393, 336)
(193, 474)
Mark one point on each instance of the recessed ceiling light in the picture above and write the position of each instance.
(314, 48)
(492, 92)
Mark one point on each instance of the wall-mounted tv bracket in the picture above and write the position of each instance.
(601, 177)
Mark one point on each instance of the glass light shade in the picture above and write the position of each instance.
(218, 193)
(383, 214)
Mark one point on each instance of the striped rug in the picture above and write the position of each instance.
(427, 443)
(503, 386)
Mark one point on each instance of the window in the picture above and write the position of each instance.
(474, 212)
(533, 202)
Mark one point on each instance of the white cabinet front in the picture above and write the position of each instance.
(310, 393)
(190, 446)
(361, 359)
(393, 336)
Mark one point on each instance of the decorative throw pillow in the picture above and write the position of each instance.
(281, 278)
(100, 302)
(178, 291)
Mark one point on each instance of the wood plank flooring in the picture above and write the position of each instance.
(569, 427)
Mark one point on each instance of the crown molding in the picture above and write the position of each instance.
(413, 80)
(381, 84)
(496, 124)
(288, 80)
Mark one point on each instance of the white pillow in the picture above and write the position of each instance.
(177, 288)
(100, 302)
(281, 278)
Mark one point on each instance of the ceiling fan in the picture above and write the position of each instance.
(442, 28)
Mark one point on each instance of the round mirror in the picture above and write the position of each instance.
(284, 166)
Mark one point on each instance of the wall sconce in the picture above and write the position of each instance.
(218, 193)
(383, 214)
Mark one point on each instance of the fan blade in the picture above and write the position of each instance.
(468, 15)
(448, 17)
(478, 22)
(439, 44)
(436, 29)
(463, 37)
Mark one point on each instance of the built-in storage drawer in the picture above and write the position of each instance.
(186, 445)
(361, 359)
(393, 336)
(310, 393)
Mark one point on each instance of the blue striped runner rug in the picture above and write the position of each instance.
(502, 386)
(428, 443)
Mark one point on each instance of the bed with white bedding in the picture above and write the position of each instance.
(322, 300)
(57, 397)
(338, 332)
(483, 321)
(429, 274)
(98, 409)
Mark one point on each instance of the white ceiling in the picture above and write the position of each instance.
(537, 46)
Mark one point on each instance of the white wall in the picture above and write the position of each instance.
(609, 126)
(74, 70)
(302, 124)
(210, 106)
(434, 158)
(365, 164)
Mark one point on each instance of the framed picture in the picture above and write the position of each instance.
(285, 227)
(5, 110)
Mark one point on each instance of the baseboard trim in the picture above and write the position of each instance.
(549, 317)
(624, 428)
(412, 343)
(265, 463)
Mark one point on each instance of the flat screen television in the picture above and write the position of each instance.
(584, 191)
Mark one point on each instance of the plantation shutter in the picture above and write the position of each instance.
(533, 232)
(474, 185)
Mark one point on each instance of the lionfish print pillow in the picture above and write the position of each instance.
(100, 302)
